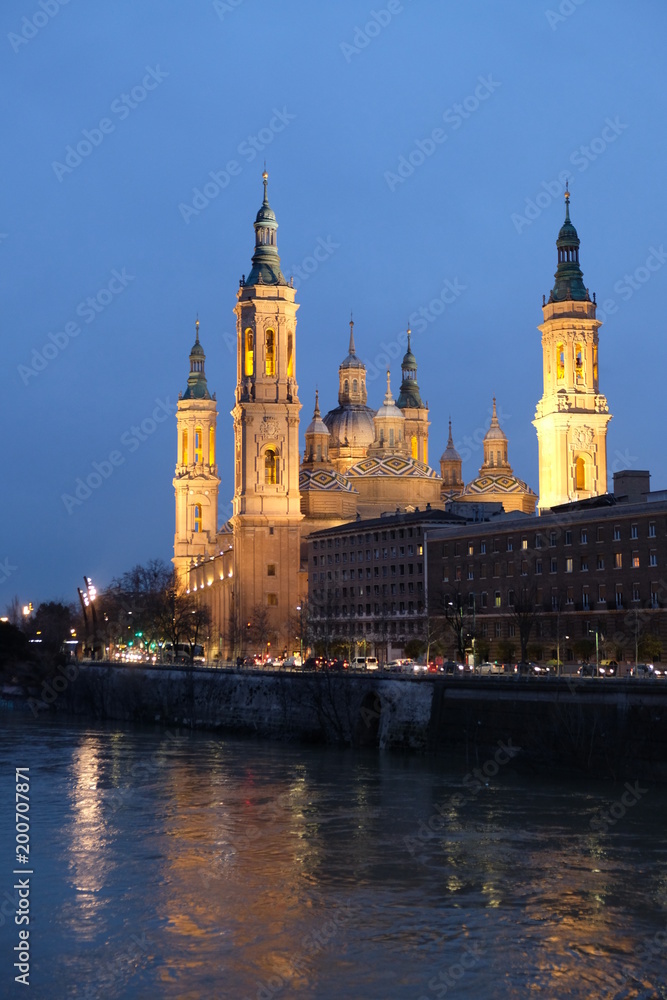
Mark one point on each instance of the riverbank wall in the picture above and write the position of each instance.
(612, 726)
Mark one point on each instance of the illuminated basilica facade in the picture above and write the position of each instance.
(358, 461)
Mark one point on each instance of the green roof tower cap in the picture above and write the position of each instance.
(569, 284)
(197, 386)
(265, 260)
(352, 360)
(409, 395)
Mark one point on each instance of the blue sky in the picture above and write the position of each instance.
(420, 146)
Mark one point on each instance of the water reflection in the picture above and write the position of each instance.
(197, 867)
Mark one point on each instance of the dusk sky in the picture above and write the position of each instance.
(417, 153)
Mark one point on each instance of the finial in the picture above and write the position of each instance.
(493, 416)
(409, 333)
(265, 179)
(352, 348)
(567, 200)
(197, 329)
(317, 403)
(388, 382)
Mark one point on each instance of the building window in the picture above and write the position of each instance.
(524, 567)
(633, 531)
(290, 355)
(211, 446)
(496, 569)
(653, 558)
(600, 564)
(271, 569)
(585, 600)
(635, 592)
(272, 600)
(619, 597)
(524, 543)
(599, 534)
(584, 565)
(270, 470)
(497, 629)
(198, 445)
(185, 447)
(580, 474)
(618, 560)
(617, 533)
(583, 538)
(510, 598)
(496, 599)
(511, 630)
(554, 566)
(552, 538)
(538, 541)
(471, 574)
(651, 529)
(471, 549)
(569, 563)
(198, 519)
(655, 603)
(568, 538)
(249, 353)
(538, 567)
(602, 593)
(270, 359)
(510, 544)
(482, 548)
(635, 560)
(483, 599)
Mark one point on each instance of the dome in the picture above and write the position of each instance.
(495, 431)
(352, 361)
(450, 454)
(389, 410)
(350, 425)
(317, 425)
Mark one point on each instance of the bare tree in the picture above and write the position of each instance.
(523, 614)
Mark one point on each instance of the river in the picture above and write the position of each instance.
(189, 865)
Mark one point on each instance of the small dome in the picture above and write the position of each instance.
(495, 432)
(450, 454)
(317, 425)
(352, 361)
(389, 410)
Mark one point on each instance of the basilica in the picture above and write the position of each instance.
(359, 461)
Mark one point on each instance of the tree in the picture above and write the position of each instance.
(259, 632)
(584, 648)
(506, 650)
(459, 617)
(51, 625)
(414, 648)
(523, 615)
(14, 614)
(650, 648)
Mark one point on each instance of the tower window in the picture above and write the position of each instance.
(579, 363)
(270, 472)
(211, 446)
(271, 569)
(198, 445)
(355, 385)
(413, 445)
(184, 447)
(270, 361)
(346, 387)
(249, 353)
(580, 473)
(560, 361)
(391, 437)
(290, 355)
(197, 517)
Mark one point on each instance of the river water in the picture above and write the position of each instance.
(187, 865)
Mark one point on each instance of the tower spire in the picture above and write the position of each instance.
(569, 284)
(265, 259)
(352, 349)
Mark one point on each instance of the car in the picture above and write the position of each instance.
(336, 664)
(647, 671)
(609, 669)
(531, 669)
(313, 663)
(418, 668)
(365, 663)
(452, 669)
(489, 668)
(589, 670)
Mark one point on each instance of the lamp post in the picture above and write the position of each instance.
(300, 610)
(596, 631)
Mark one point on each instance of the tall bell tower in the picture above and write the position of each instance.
(196, 480)
(572, 416)
(267, 504)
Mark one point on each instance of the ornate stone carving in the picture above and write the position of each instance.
(582, 437)
(269, 428)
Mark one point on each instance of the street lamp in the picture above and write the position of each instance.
(300, 610)
(596, 631)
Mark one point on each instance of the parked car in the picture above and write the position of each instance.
(489, 668)
(336, 664)
(609, 669)
(646, 670)
(531, 669)
(452, 669)
(589, 670)
(419, 668)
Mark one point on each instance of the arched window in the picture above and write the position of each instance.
(595, 368)
(270, 360)
(290, 355)
(413, 445)
(391, 437)
(355, 385)
(184, 448)
(249, 353)
(498, 462)
(346, 387)
(197, 517)
(270, 471)
(199, 444)
(211, 446)
(580, 473)
(560, 361)
(579, 363)
(319, 453)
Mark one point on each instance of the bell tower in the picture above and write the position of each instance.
(196, 481)
(572, 416)
(414, 410)
(267, 505)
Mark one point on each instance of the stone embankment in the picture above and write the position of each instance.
(612, 726)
